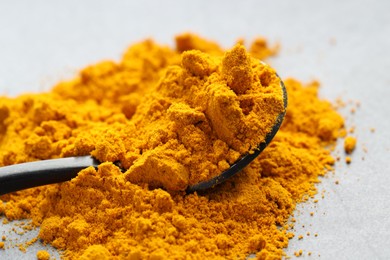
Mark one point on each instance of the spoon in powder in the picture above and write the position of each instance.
(32, 174)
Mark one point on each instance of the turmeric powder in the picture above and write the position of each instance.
(190, 113)
(196, 121)
(43, 255)
(349, 144)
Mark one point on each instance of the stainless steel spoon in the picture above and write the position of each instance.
(32, 174)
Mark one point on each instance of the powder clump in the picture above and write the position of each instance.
(43, 255)
(237, 69)
(163, 110)
(349, 144)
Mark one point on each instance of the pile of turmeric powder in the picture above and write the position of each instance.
(190, 125)
(171, 118)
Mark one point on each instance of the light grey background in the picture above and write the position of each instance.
(343, 44)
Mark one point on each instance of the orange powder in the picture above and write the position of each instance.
(106, 214)
(43, 255)
(349, 144)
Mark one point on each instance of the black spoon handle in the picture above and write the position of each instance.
(27, 175)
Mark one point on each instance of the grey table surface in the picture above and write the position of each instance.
(343, 44)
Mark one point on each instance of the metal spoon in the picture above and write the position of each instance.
(32, 174)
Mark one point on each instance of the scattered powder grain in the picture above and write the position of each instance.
(22, 248)
(349, 144)
(298, 253)
(44, 255)
(348, 159)
(140, 111)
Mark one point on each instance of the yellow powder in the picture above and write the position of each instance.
(43, 255)
(210, 112)
(189, 41)
(348, 159)
(260, 49)
(96, 252)
(349, 144)
(194, 122)
(22, 248)
(158, 112)
(298, 253)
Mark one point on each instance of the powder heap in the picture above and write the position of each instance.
(190, 125)
(157, 111)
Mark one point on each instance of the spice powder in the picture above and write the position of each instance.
(172, 117)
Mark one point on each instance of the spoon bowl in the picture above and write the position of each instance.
(246, 159)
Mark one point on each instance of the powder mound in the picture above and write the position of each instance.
(190, 41)
(170, 117)
(166, 136)
(260, 49)
(208, 99)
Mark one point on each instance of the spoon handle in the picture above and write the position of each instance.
(27, 175)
